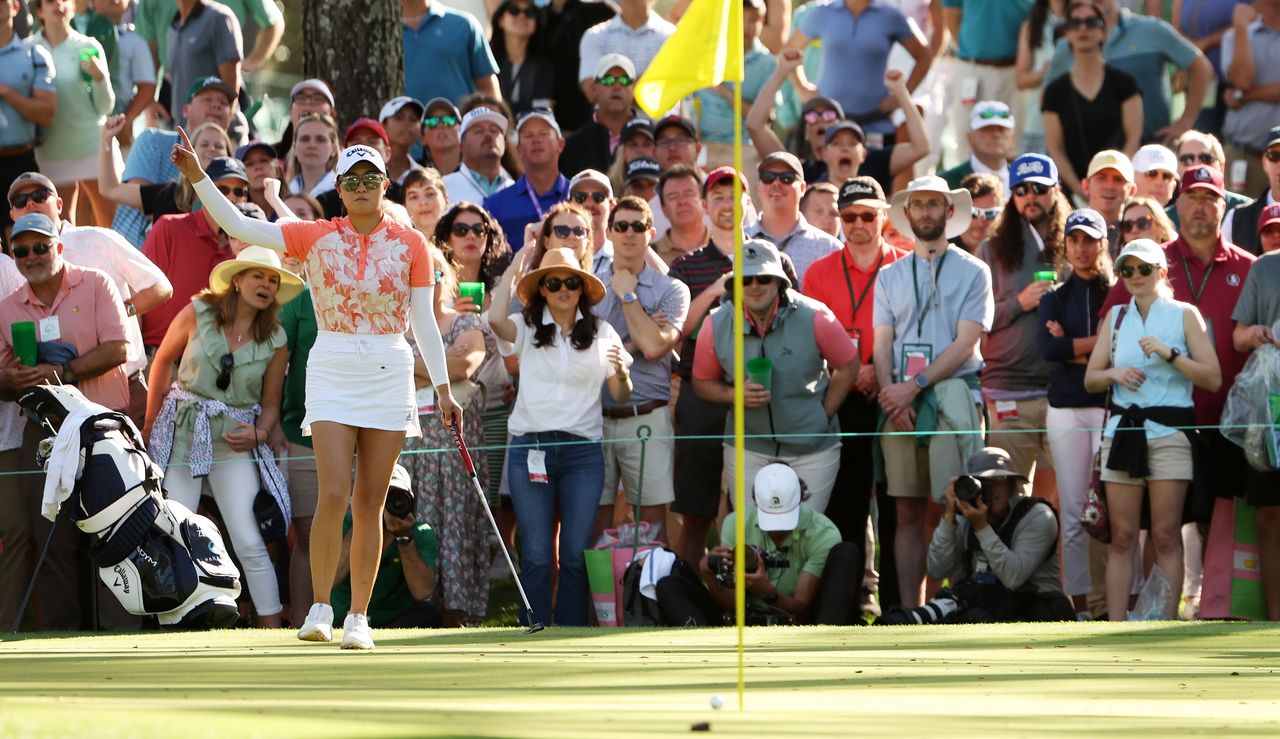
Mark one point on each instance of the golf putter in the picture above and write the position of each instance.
(534, 626)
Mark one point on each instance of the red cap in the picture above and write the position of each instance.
(1203, 177)
(372, 125)
(1268, 216)
(720, 174)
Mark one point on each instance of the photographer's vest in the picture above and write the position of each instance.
(799, 379)
(1244, 226)
(1006, 529)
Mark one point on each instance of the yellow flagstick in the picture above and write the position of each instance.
(739, 404)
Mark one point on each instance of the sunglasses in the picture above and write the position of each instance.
(864, 216)
(1272, 155)
(787, 178)
(529, 12)
(352, 182)
(436, 121)
(462, 229)
(757, 279)
(1137, 224)
(563, 232)
(637, 226)
(38, 195)
(985, 214)
(1093, 22)
(814, 116)
(1203, 157)
(225, 363)
(1027, 188)
(1143, 269)
(994, 114)
(239, 192)
(609, 80)
(21, 252)
(553, 284)
(1168, 176)
(581, 197)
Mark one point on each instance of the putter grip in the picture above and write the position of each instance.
(462, 449)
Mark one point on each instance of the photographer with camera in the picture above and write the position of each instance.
(797, 569)
(407, 574)
(1000, 552)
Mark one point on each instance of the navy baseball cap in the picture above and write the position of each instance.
(35, 223)
(1036, 168)
(643, 168)
(243, 151)
(1088, 220)
(224, 168)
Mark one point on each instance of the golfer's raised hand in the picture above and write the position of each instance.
(184, 158)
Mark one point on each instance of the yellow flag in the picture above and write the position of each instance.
(705, 50)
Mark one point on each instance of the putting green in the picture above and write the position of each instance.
(1062, 679)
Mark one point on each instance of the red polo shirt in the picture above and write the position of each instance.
(838, 282)
(186, 249)
(1213, 287)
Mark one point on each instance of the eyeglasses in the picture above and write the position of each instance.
(609, 80)
(312, 98)
(563, 232)
(352, 182)
(985, 214)
(21, 252)
(864, 216)
(757, 279)
(1272, 155)
(1092, 22)
(39, 195)
(637, 226)
(239, 192)
(814, 116)
(1203, 157)
(225, 363)
(462, 229)
(1143, 269)
(436, 121)
(1166, 176)
(1027, 188)
(671, 141)
(553, 284)
(529, 12)
(581, 197)
(787, 178)
(1137, 224)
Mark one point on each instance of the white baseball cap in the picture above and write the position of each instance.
(541, 115)
(482, 114)
(312, 84)
(1144, 250)
(353, 155)
(396, 104)
(990, 113)
(621, 61)
(591, 175)
(777, 493)
(1154, 157)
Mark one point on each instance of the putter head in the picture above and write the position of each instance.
(535, 628)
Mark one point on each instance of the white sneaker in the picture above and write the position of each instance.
(355, 632)
(319, 624)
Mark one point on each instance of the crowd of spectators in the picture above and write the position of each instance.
(986, 239)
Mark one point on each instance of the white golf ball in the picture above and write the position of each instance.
(717, 702)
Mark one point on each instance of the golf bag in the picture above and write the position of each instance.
(156, 556)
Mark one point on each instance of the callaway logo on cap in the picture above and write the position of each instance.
(353, 155)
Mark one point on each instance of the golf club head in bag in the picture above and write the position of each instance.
(156, 557)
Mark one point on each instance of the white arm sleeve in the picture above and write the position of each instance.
(426, 332)
(236, 224)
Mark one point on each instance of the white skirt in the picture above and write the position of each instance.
(361, 380)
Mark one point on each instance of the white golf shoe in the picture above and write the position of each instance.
(319, 624)
(355, 632)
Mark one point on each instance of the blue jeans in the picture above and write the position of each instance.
(575, 479)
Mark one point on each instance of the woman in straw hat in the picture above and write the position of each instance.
(371, 279)
(556, 459)
(229, 383)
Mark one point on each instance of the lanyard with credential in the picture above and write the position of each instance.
(1195, 294)
(853, 317)
(533, 198)
(915, 285)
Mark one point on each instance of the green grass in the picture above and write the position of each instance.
(1061, 679)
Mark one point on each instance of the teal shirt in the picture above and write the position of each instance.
(715, 113)
(989, 28)
(806, 548)
(391, 596)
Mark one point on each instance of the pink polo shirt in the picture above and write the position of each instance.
(90, 312)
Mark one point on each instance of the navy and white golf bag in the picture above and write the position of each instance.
(155, 555)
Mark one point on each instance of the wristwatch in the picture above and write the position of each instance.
(68, 374)
(404, 540)
(772, 597)
(1174, 354)
(629, 298)
(922, 382)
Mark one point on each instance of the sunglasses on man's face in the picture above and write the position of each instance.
(352, 182)
(435, 121)
(239, 192)
(225, 364)
(787, 178)
(38, 195)
(553, 284)
(1092, 22)
(637, 226)
(582, 197)
(1203, 157)
(864, 216)
(462, 229)
(985, 214)
(999, 114)
(1136, 224)
(757, 279)
(1143, 269)
(814, 116)
(609, 80)
(563, 232)
(21, 252)
(1029, 188)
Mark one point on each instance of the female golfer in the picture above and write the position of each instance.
(367, 275)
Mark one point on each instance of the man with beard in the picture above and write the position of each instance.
(931, 309)
(1026, 246)
(483, 138)
(527, 200)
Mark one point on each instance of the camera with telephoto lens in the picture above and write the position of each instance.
(722, 565)
(969, 488)
(400, 503)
